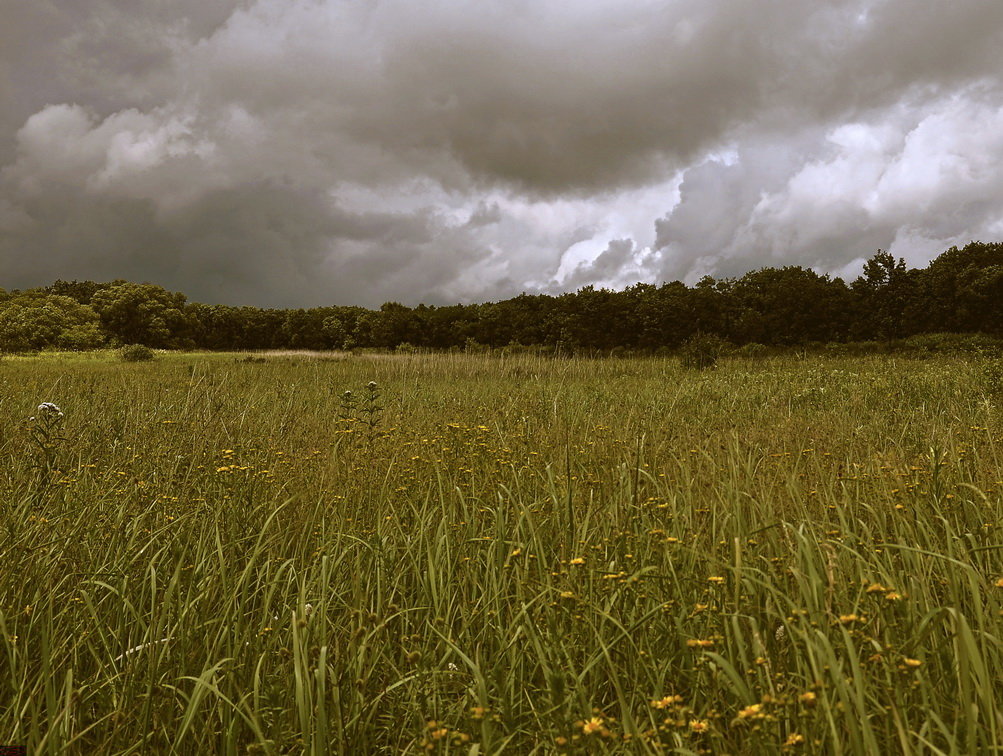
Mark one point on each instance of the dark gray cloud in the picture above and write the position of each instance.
(307, 151)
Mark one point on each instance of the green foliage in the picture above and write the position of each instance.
(136, 353)
(703, 350)
(991, 377)
(34, 321)
(142, 314)
(789, 306)
(883, 291)
(365, 412)
(335, 332)
(960, 292)
(950, 343)
(45, 433)
(857, 348)
(752, 351)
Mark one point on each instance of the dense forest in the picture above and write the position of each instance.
(961, 291)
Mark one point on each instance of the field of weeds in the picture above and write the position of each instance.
(476, 555)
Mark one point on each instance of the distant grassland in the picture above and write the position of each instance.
(481, 555)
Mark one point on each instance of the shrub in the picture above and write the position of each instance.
(950, 343)
(703, 350)
(752, 351)
(857, 348)
(136, 353)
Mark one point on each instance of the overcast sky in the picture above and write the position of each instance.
(305, 152)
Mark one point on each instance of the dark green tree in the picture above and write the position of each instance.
(789, 306)
(882, 292)
(960, 291)
(143, 314)
(35, 320)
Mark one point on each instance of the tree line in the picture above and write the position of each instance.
(961, 291)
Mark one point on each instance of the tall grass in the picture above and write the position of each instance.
(519, 555)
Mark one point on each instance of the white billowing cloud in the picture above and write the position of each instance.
(130, 155)
(295, 153)
(913, 181)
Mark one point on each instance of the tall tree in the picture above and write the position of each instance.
(882, 293)
(143, 314)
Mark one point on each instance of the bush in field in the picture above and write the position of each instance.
(856, 348)
(703, 350)
(752, 351)
(136, 353)
(950, 343)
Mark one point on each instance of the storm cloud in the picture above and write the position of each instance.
(294, 153)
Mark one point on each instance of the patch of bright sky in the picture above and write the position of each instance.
(628, 215)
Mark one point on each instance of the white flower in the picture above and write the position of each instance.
(48, 409)
(452, 667)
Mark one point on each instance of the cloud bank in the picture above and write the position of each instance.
(356, 151)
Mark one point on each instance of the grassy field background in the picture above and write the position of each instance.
(225, 554)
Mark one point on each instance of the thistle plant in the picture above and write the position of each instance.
(366, 411)
(349, 406)
(371, 411)
(45, 431)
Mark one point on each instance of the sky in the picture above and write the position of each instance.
(295, 153)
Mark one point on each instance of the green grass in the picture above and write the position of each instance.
(522, 555)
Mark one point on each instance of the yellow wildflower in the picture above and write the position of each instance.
(666, 701)
(699, 643)
(592, 726)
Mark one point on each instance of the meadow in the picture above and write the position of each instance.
(478, 554)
